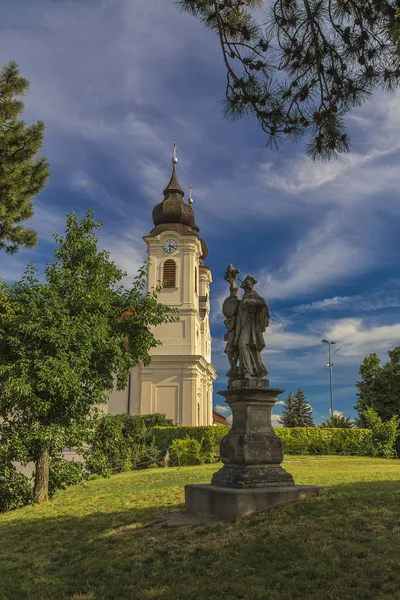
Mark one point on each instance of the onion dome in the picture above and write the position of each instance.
(173, 209)
(204, 250)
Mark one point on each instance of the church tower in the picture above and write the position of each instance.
(179, 380)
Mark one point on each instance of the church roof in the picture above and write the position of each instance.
(173, 210)
(219, 419)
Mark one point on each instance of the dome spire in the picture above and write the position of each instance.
(173, 185)
(173, 212)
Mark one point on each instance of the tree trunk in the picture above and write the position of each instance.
(41, 487)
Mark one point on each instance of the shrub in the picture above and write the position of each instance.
(63, 473)
(384, 434)
(124, 442)
(15, 491)
(304, 440)
(186, 452)
(209, 438)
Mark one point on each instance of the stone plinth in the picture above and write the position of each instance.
(229, 504)
(252, 478)
(251, 452)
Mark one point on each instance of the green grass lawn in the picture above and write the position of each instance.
(106, 540)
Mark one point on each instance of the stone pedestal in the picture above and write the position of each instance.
(228, 504)
(252, 478)
(252, 452)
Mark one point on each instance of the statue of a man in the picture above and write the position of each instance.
(251, 322)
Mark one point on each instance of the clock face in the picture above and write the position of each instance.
(170, 246)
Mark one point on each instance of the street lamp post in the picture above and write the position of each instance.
(330, 365)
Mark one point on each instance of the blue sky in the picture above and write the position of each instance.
(116, 81)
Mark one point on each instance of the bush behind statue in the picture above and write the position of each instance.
(124, 442)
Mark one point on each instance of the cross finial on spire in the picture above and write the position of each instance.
(174, 158)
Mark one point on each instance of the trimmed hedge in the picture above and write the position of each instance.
(209, 438)
(296, 440)
(316, 440)
(185, 452)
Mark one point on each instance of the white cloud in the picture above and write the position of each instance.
(278, 337)
(386, 296)
(358, 339)
(276, 422)
(220, 408)
(326, 255)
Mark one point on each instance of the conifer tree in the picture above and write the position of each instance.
(300, 67)
(302, 410)
(287, 417)
(22, 173)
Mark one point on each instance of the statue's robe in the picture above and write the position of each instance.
(252, 321)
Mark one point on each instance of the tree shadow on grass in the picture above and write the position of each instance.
(341, 545)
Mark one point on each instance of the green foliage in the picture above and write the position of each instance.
(296, 411)
(22, 174)
(123, 442)
(315, 440)
(384, 434)
(287, 418)
(15, 490)
(64, 473)
(186, 452)
(301, 411)
(62, 343)
(209, 438)
(379, 387)
(338, 421)
(300, 69)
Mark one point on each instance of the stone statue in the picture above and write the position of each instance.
(246, 320)
(251, 322)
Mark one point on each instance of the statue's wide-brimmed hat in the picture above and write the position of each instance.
(249, 279)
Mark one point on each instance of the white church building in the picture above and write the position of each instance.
(179, 380)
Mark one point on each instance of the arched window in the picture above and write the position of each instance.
(169, 273)
(195, 280)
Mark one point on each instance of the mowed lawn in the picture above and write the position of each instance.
(107, 540)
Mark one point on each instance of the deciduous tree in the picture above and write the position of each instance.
(379, 386)
(62, 344)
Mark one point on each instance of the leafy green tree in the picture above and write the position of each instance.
(338, 421)
(384, 433)
(22, 173)
(287, 418)
(379, 386)
(302, 410)
(62, 344)
(300, 71)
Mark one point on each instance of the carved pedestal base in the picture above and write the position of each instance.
(251, 452)
(252, 478)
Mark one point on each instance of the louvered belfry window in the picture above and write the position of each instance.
(169, 274)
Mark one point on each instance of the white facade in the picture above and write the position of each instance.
(179, 380)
